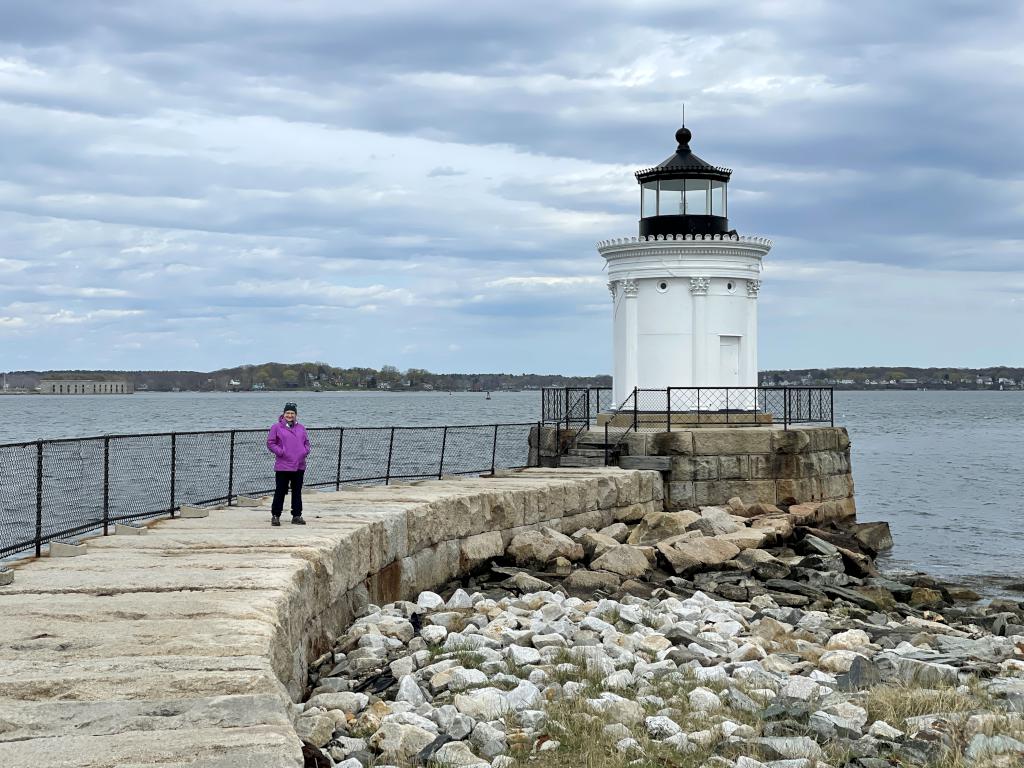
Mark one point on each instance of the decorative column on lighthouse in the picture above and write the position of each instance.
(685, 290)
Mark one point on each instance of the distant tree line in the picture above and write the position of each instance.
(311, 376)
(901, 377)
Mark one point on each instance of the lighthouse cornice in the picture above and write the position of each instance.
(629, 259)
(643, 241)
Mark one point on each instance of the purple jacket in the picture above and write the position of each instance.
(289, 444)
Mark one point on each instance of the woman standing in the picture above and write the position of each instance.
(288, 441)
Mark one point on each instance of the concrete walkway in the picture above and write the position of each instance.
(187, 645)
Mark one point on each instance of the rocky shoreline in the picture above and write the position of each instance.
(730, 637)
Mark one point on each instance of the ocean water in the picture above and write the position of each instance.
(943, 468)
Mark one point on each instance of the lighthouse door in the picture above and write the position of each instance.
(729, 361)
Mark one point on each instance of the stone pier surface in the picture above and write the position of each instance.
(188, 646)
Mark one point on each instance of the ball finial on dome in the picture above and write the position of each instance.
(683, 136)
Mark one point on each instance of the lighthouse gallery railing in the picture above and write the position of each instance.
(678, 407)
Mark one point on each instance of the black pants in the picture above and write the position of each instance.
(284, 479)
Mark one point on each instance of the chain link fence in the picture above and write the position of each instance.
(60, 489)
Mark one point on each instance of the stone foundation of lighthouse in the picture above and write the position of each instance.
(685, 311)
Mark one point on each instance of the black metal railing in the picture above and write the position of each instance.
(59, 489)
(675, 407)
(570, 407)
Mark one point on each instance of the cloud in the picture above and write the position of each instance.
(230, 177)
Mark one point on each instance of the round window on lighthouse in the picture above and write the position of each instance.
(662, 286)
(730, 287)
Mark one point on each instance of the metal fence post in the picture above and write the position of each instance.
(494, 449)
(341, 443)
(538, 447)
(391, 448)
(832, 407)
(726, 405)
(668, 409)
(606, 443)
(231, 468)
(785, 407)
(106, 485)
(698, 405)
(636, 407)
(444, 441)
(39, 498)
(174, 470)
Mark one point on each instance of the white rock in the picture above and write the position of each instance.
(429, 600)
(347, 702)
(404, 665)
(482, 704)
(433, 634)
(838, 662)
(620, 679)
(488, 740)
(520, 655)
(399, 742)
(617, 731)
(553, 640)
(503, 761)
(801, 689)
(628, 745)
(411, 718)
(851, 640)
(409, 691)
(882, 730)
(459, 600)
(350, 762)
(526, 695)
(680, 742)
(461, 678)
(660, 727)
(704, 700)
(317, 729)
(457, 754)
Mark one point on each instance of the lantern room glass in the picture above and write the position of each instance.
(698, 201)
(718, 198)
(670, 198)
(649, 199)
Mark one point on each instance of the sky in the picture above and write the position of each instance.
(421, 183)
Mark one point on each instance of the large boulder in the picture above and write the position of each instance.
(873, 537)
(744, 538)
(538, 548)
(586, 582)
(661, 525)
(624, 560)
(398, 742)
(617, 531)
(700, 554)
(596, 544)
(763, 564)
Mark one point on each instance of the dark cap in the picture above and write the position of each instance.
(291, 407)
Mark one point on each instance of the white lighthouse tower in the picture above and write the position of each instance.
(685, 291)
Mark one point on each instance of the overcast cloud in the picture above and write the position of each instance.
(197, 184)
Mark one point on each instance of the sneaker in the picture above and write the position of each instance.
(297, 520)
(275, 520)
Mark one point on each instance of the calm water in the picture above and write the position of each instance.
(944, 468)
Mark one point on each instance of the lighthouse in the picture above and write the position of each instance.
(685, 289)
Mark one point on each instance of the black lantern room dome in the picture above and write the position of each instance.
(684, 195)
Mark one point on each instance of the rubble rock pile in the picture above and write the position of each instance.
(735, 637)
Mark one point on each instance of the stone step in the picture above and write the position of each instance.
(579, 451)
(581, 461)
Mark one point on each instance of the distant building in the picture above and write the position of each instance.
(85, 387)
